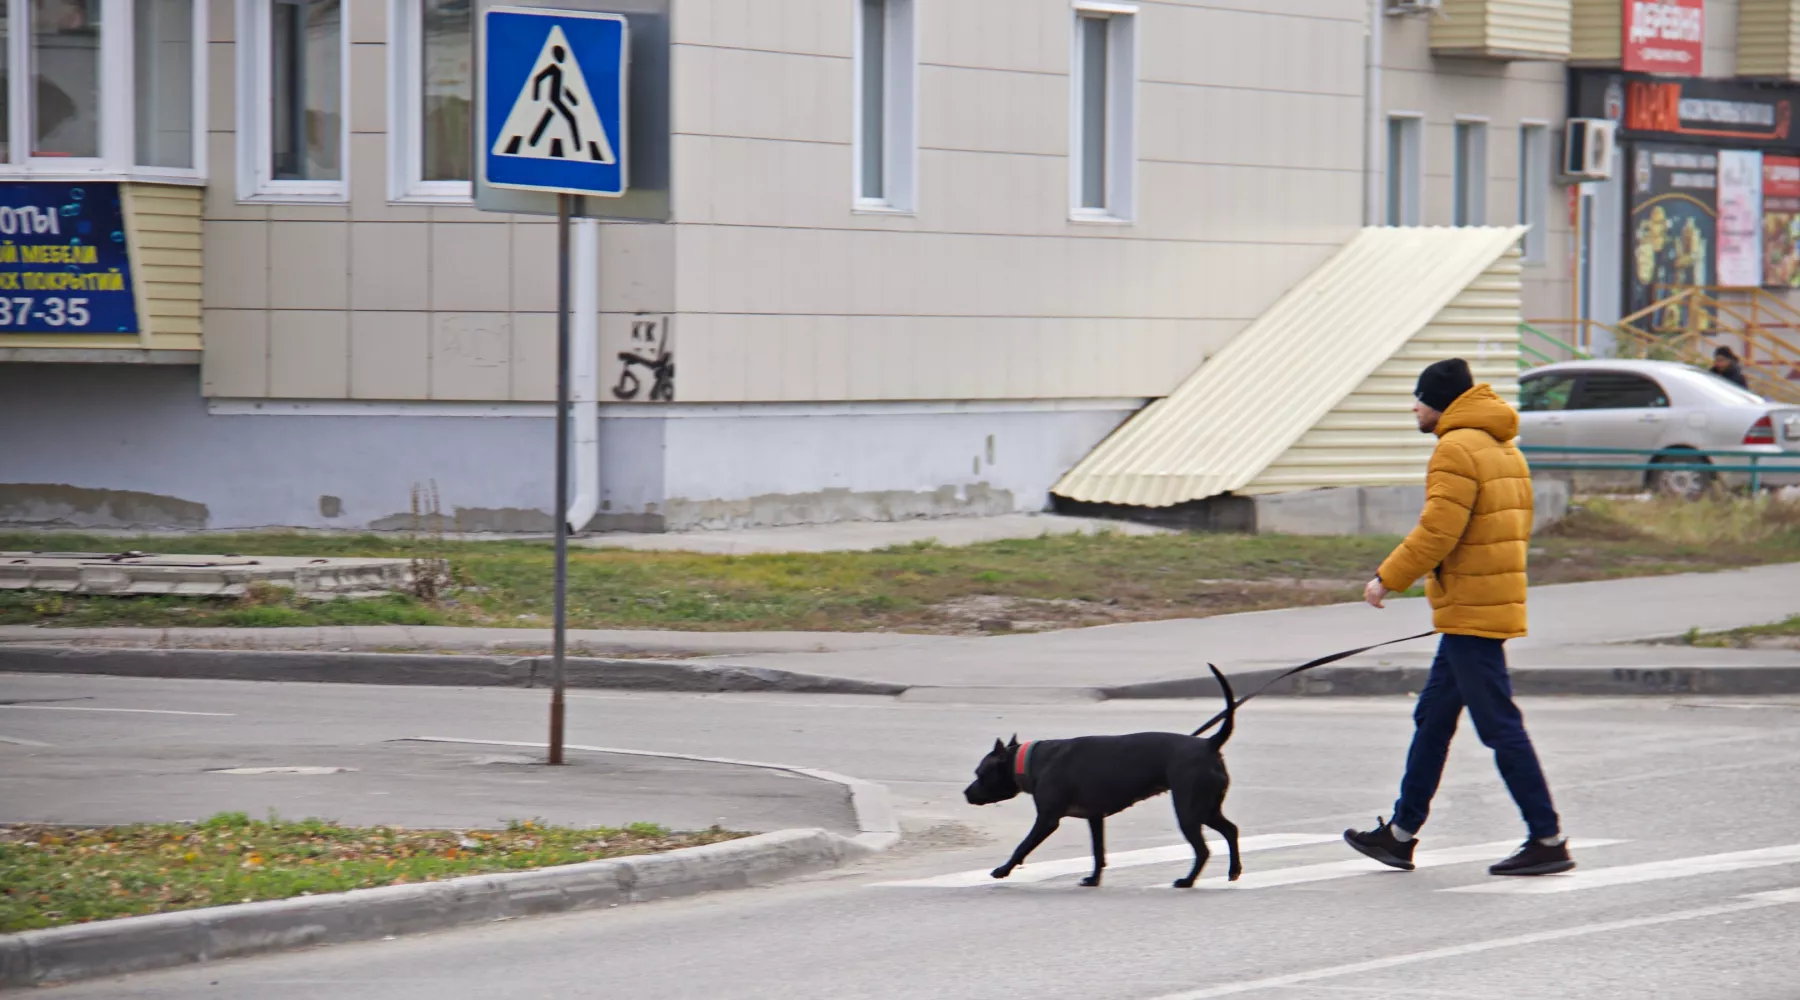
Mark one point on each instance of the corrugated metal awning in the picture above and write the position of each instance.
(1250, 402)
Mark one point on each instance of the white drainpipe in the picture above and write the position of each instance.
(1375, 132)
(584, 365)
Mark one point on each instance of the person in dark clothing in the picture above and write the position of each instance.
(1727, 366)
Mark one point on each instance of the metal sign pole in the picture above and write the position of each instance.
(563, 210)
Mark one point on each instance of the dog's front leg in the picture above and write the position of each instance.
(1046, 825)
(1097, 828)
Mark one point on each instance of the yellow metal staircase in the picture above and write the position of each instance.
(1685, 325)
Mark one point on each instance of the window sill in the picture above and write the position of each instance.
(1094, 218)
(19, 173)
(880, 208)
(296, 198)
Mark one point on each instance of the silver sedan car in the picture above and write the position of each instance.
(1661, 409)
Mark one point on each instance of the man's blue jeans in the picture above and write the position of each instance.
(1471, 671)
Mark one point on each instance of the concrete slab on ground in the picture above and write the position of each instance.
(860, 536)
(186, 776)
(142, 573)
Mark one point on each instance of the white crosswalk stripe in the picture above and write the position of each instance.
(1039, 871)
(1652, 871)
(1362, 866)
(1258, 877)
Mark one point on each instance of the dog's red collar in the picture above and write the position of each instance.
(1022, 767)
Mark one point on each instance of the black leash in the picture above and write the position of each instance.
(1304, 667)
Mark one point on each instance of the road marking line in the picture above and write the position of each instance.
(1595, 878)
(16, 741)
(1039, 871)
(1757, 901)
(140, 711)
(1363, 866)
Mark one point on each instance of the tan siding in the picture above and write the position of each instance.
(162, 226)
(1768, 39)
(1321, 344)
(1597, 26)
(1503, 29)
(1370, 438)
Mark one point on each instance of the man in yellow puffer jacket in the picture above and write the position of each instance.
(1470, 546)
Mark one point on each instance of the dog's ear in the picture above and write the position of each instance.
(998, 746)
(1015, 740)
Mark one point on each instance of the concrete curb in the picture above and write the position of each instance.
(456, 670)
(311, 666)
(165, 940)
(1377, 681)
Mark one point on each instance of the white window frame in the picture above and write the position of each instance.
(255, 144)
(406, 114)
(118, 103)
(1121, 112)
(1471, 210)
(1403, 193)
(1534, 189)
(900, 131)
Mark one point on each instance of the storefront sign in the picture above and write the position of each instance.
(1713, 111)
(1664, 36)
(63, 260)
(1674, 221)
(1740, 218)
(1781, 221)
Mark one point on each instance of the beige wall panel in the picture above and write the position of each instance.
(236, 258)
(390, 355)
(471, 355)
(309, 265)
(390, 266)
(236, 360)
(309, 354)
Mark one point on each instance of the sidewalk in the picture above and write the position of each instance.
(1576, 629)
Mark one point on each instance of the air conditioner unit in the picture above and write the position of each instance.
(1588, 145)
(1415, 6)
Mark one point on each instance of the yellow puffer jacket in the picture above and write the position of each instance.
(1475, 532)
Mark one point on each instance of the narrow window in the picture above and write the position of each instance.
(446, 91)
(1469, 175)
(1103, 166)
(65, 58)
(884, 105)
(306, 99)
(1534, 184)
(163, 62)
(1405, 168)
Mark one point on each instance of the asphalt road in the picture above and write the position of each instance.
(1653, 792)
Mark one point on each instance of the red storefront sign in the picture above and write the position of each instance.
(1664, 36)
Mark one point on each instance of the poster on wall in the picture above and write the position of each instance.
(1674, 222)
(1740, 218)
(63, 261)
(1781, 221)
(1664, 36)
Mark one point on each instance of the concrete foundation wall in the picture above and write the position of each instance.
(98, 446)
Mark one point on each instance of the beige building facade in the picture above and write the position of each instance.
(924, 254)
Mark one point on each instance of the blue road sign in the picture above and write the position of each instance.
(553, 102)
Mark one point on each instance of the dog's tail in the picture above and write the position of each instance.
(1218, 739)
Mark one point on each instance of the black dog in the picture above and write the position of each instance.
(1093, 777)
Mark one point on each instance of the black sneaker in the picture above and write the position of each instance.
(1534, 858)
(1380, 844)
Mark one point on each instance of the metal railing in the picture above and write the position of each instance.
(1534, 344)
(1757, 464)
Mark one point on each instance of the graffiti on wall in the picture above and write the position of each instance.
(650, 351)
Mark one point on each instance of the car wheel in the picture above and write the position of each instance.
(1684, 483)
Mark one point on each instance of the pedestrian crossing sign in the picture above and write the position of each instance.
(553, 108)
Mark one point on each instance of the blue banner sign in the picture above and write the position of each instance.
(63, 261)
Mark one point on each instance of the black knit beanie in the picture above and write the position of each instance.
(1443, 382)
